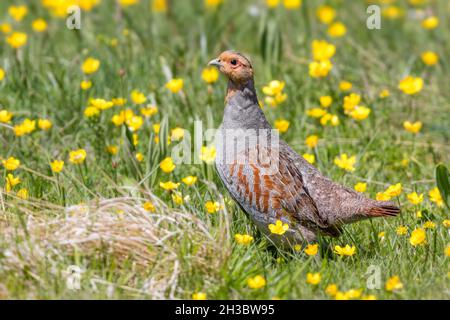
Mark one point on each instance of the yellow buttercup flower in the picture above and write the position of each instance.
(11, 163)
(44, 124)
(11, 182)
(447, 251)
(18, 12)
(429, 225)
(2, 74)
(5, 28)
(210, 75)
(316, 112)
(401, 230)
(256, 282)
(122, 117)
(177, 198)
(309, 157)
(312, 141)
(5, 116)
(341, 296)
(39, 25)
(446, 223)
(392, 12)
(138, 97)
(77, 156)
(411, 85)
(199, 296)
(418, 237)
(159, 6)
(87, 5)
(384, 93)
(345, 251)
(22, 194)
(279, 227)
(26, 127)
(17, 39)
(90, 65)
(127, 3)
(351, 102)
(415, 198)
(292, 4)
(313, 278)
(345, 85)
(112, 150)
(156, 128)
(90, 112)
(320, 69)
(244, 239)
(149, 206)
(360, 113)
(273, 88)
(176, 134)
(282, 125)
(175, 85)
(337, 29)
(86, 84)
(57, 165)
(189, 180)
(325, 14)
(325, 101)
(394, 190)
(208, 154)
(135, 123)
(272, 3)
(101, 104)
(361, 187)
(212, 206)
(345, 162)
(167, 165)
(312, 249)
(322, 50)
(169, 185)
(276, 100)
(330, 118)
(435, 196)
(149, 110)
(393, 284)
(139, 157)
(331, 290)
(381, 196)
(413, 127)
(118, 101)
(430, 58)
(430, 23)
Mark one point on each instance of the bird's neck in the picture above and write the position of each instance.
(242, 109)
(245, 89)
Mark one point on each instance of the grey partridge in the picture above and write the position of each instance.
(268, 179)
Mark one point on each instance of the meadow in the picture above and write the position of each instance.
(92, 205)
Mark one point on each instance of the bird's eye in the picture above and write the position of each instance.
(233, 62)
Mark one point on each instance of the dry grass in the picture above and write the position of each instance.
(122, 229)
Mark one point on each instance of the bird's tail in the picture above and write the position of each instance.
(383, 209)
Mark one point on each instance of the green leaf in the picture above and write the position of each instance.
(443, 183)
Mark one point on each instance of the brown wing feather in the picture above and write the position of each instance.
(279, 193)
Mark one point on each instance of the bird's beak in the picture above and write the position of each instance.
(215, 62)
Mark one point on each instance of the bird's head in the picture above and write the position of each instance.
(234, 65)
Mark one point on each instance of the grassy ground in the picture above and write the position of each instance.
(91, 215)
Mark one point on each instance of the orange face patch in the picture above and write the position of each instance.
(235, 66)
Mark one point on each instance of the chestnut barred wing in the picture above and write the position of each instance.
(273, 189)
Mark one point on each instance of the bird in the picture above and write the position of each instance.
(271, 182)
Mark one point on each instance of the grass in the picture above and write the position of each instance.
(91, 215)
